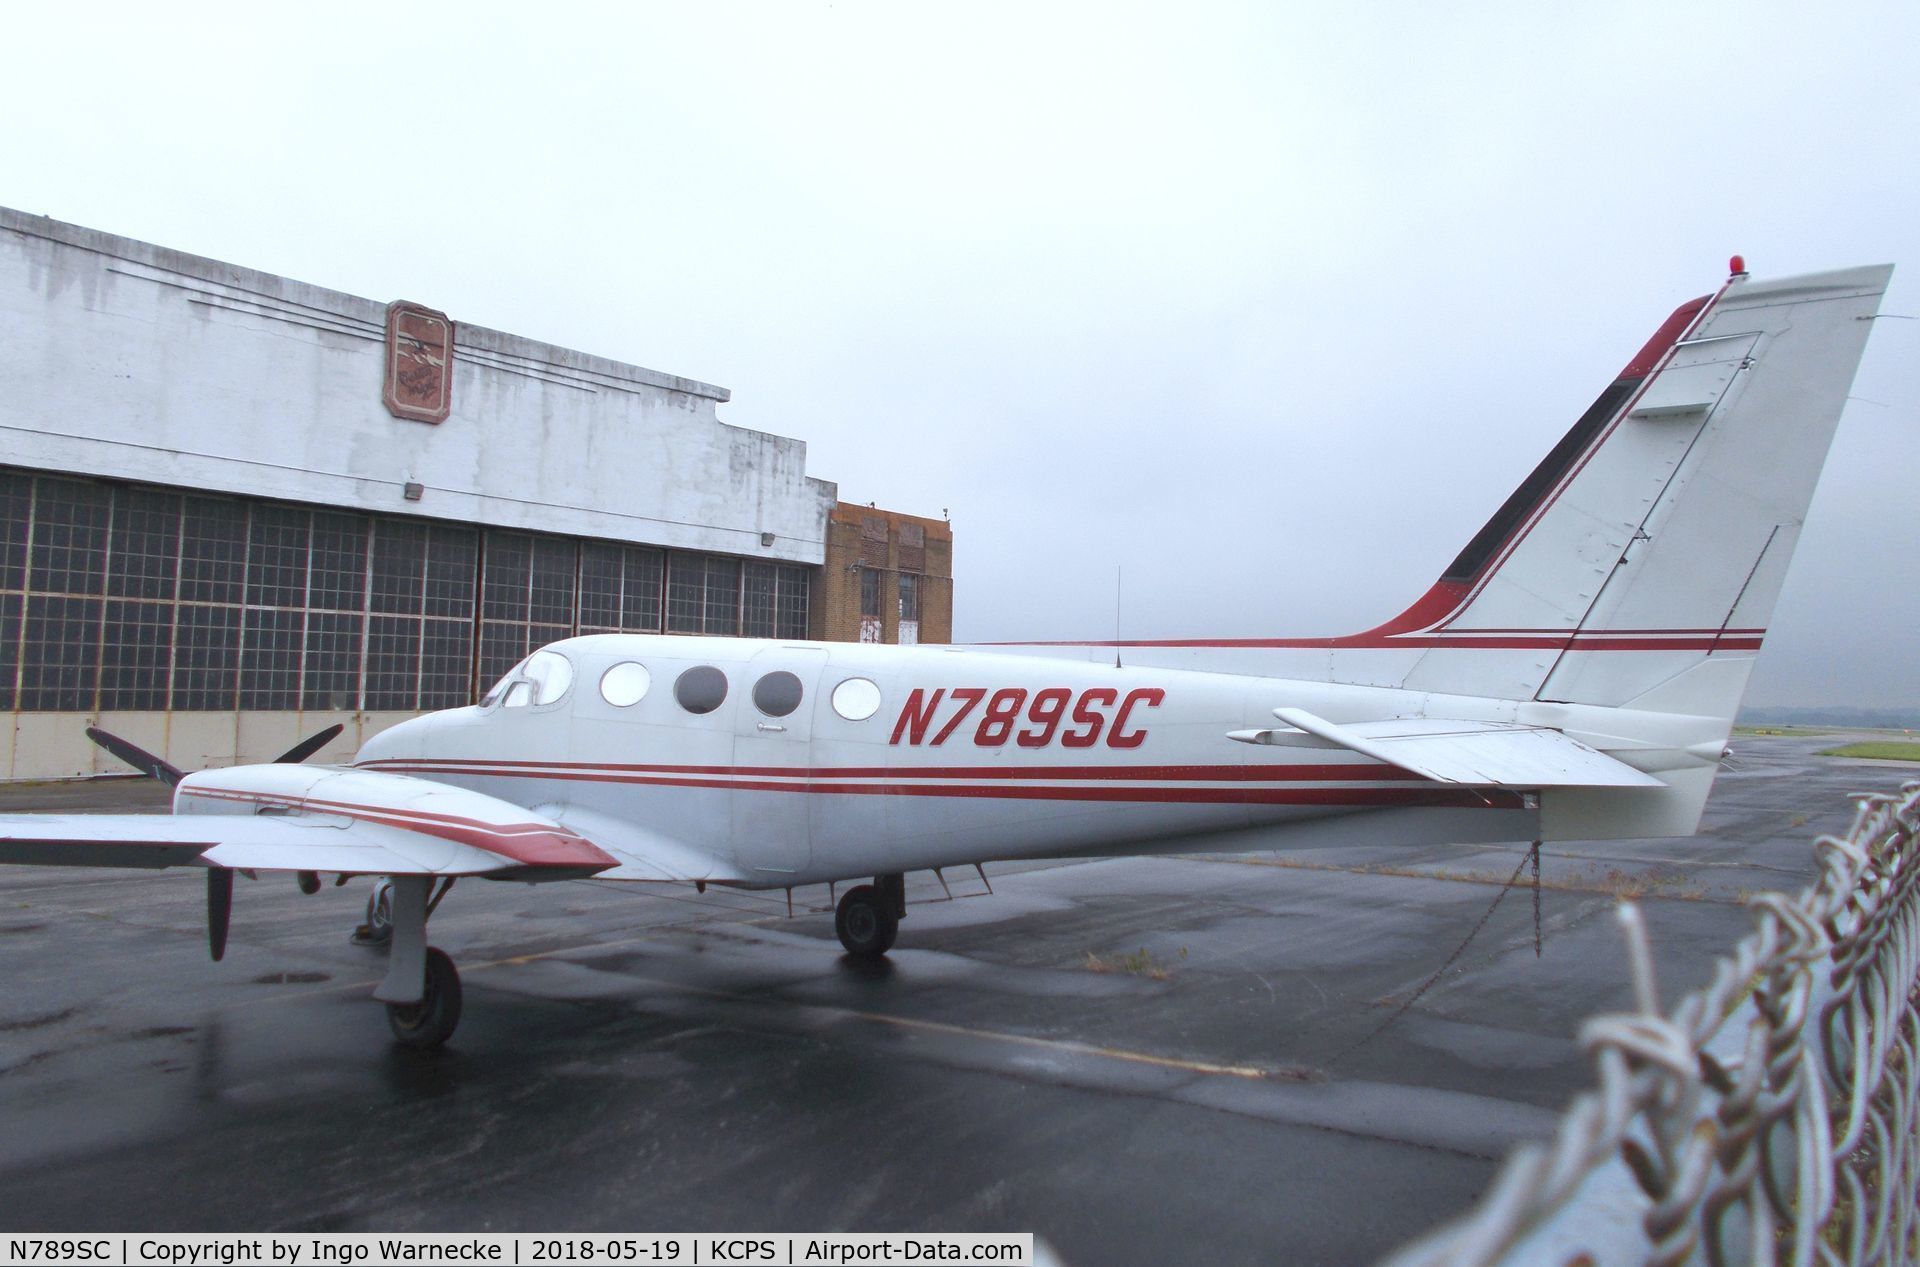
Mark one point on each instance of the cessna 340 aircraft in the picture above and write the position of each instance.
(1574, 674)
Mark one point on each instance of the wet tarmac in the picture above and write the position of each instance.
(1142, 1060)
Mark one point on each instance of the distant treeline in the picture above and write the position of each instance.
(1871, 718)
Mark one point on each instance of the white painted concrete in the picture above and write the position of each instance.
(129, 361)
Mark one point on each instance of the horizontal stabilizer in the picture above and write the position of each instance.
(1482, 754)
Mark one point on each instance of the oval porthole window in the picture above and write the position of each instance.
(701, 689)
(777, 694)
(625, 684)
(856, 699)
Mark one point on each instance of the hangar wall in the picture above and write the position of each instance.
(216, 537)
(127, 360)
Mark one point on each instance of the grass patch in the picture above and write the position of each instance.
(1882, 750)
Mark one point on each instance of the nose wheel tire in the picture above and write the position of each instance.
(431, 1021)
(866, 922)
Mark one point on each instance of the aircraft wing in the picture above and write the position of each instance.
(240, 841)
(302, 818)
(1482, 754)
(643, 854)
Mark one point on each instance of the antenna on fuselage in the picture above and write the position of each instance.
(1118, 572)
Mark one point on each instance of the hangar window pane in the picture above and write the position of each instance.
(213, 550)
(686, 593)
(756, 617)
(453, 555)
(16, 501)
(277, 541)
(136, 655)
(508, 563)
(331, 677)
(869, 593)
(69, 538)
(723, 597)
(143, 558)
(602, 565)
(393, 662)
(791, 621)
(556, 561)
(645, 577)
(501, 647)
(446, 664)
(205, 658)
(10, 605)
(399, 566)
(339, 576)
(59, 654)
(540, 635)
(270, 659)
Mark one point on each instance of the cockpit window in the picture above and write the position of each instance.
(498, 689)
(542, 678)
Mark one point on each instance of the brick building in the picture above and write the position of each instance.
(887, 577)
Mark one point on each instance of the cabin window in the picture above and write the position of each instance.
(777, 694)
(856, 699)
(701, 689)
(625, 684)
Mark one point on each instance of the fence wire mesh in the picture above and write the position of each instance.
(1769, 1117)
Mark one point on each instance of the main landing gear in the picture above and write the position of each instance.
(431, 1021)
(421, 988)
(868, 917)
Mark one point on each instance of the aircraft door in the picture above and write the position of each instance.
(772, 752)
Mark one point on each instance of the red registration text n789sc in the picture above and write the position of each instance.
(1030, 719)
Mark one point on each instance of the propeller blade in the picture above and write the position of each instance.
(139, 758)
(308, 746)
(219, 909)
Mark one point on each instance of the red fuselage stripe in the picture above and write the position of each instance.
(1366, 772)
(1427, 795)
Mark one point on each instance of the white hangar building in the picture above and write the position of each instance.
(235, 508)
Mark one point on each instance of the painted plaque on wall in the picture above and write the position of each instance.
(419, 381)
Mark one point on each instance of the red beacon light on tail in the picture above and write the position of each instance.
(1737, 266)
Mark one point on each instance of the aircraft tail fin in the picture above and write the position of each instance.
(1638, 565)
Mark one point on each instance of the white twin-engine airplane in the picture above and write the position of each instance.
(1573, 675)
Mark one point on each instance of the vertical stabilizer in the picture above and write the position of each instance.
(1639, 563)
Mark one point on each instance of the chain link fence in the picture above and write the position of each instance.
(1769, 1117)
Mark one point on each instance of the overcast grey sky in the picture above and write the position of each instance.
(1270, 304)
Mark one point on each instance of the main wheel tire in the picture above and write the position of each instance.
(866, 922)
(378, 930)
(431, 1021)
